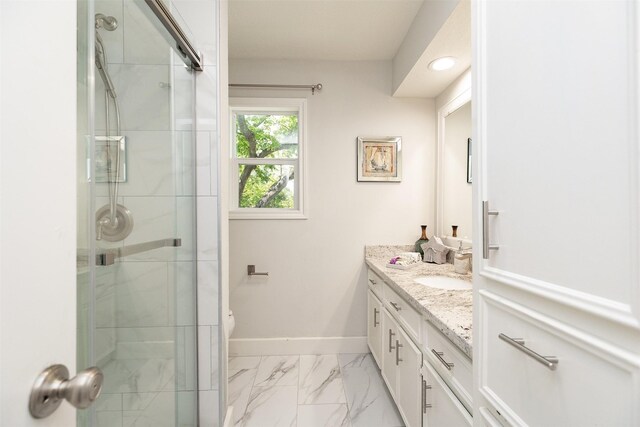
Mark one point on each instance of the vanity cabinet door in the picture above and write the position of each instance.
(409, 382)
(374, 326)
(441, 407)
(389, 336)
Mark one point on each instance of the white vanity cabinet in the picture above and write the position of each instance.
(400, 340)
(556, 319)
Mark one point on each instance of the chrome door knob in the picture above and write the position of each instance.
(53, 385)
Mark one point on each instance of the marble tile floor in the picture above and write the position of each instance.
(329, 390)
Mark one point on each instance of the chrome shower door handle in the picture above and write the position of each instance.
(486, 246)
(53, 385)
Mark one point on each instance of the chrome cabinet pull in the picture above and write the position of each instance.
(398, 347)
(391, 335)
(53, 386)
(486, 246)
(439, 355)
(395, 305)
(373, 282)
(425, 405)
(550, 362)
(375, 317)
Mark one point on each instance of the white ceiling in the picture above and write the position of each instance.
(351, 30)
(348, 30)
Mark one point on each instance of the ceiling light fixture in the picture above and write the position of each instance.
(443, 63)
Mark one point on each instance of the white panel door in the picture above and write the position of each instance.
(38, 196)
(556, 133)
(556, 125)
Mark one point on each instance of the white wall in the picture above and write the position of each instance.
(425, 26)
(316, 285)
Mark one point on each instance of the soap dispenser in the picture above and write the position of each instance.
(461, 261)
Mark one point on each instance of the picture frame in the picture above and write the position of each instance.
(469, 162)
(380, 159)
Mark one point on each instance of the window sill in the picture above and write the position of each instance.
(238, 214)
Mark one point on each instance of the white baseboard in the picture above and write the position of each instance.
(307, 345)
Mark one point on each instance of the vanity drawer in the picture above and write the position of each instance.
(405, 314)
(589, 373)
(454, 366)
(375, 282)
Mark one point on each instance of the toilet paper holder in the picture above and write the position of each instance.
(251, 271)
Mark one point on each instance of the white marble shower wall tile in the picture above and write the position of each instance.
(159, 411)
(150, 164)
(370, 403)
(105, 297)
(142, 294)
(144, 44)
(184, 143)
(278, 370)
(206, 118)
(204, 354)
(186, 409)
(146, 343)
(109, 419)
(320, 380)
(208, 292)
(271, 406)
(209, 409)
(138, 375)
(112, 40)
(215, 357)
(182, 89)
(214, 164)
(203, 163)
(331, 415)
(185, 358)
(182, 280)
(145, 100)
(186, 228)
(207, 226)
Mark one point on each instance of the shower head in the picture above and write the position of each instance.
(109, 23)
(101, 65)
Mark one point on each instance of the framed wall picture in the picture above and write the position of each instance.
(380, 159)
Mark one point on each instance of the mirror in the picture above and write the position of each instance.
(454, 172)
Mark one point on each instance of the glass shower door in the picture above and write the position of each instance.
(136, 269)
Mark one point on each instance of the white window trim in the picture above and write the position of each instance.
(270, 105)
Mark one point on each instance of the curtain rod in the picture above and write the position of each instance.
(313, 88)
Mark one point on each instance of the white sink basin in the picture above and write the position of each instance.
(442, 282)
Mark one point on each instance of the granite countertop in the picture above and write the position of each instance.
(449, 311)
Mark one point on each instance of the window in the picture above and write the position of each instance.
(267, 170)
